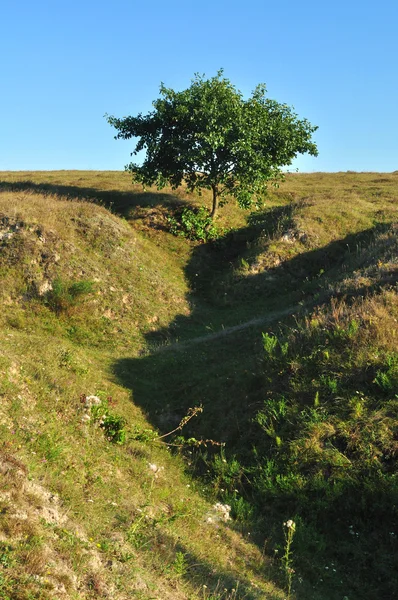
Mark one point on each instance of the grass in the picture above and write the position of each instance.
(98, 298)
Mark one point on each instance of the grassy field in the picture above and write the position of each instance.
(283, 330)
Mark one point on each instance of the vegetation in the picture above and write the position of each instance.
(198, 420)
(211, 138)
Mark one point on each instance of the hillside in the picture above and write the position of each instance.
(283, 331)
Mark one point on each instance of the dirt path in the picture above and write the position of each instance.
(269, 318)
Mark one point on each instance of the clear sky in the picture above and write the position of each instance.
(64, 64)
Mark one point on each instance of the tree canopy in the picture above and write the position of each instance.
(210, 137)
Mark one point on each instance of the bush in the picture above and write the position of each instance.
(194, 224)
(114, 428)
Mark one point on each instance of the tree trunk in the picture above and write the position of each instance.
(215, 201)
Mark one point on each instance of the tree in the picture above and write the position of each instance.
(211, 138)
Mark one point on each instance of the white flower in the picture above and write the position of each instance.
(155, 469)
(220, 512)
(223, 511)
(290, 524)
(102, 420)
(92, 401)
(86, 418)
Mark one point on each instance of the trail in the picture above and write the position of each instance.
(264, 320)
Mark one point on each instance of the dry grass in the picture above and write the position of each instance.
(46, 238)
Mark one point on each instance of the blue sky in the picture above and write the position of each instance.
(65, 64)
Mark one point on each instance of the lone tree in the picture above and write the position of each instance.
(211, 138)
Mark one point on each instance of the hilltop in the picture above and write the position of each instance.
(283, 330)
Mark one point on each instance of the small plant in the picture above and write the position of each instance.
(98, 410)
(330, 383)
(114, 428)
(179, 565)
(63, 296)
(270, 342)
(150, 436)
(287, 560)
(272, 415)
(6, 557)
(386, 378)
(65, 358)
(220, 593)
(227, 473)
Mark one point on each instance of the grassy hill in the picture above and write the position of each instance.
(284, 330)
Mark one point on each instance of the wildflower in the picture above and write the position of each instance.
(92, 401)
(155, 469)
(223, 510)
(86, 418)
(290, 524)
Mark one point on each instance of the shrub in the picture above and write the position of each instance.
(194, 224)
(114, 428)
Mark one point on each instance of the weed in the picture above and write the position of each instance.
(113, 425)
(178, 441)
(180, 565)
(287, 558)
(387, 378)
(220, 592)
(227, 474)
(63, 296)
(270, 342)
(114, 428)
(6, 555)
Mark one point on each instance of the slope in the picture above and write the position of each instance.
(87, 510)
(288, 405)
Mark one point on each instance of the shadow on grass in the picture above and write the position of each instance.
(118, 202)
(201, 573)
(221, 371)
(220, 297)
(225, 374)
